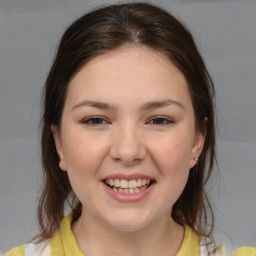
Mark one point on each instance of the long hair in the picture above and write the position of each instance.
(103, 30)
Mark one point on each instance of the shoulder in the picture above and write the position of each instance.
(222, 251)
(53, 246)
(245, 251)
(42, 249)
(17, 251)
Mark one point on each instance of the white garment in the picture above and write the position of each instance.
(37, 249)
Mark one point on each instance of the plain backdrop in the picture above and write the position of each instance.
(225, 32)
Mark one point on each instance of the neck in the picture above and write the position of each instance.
(163, 237)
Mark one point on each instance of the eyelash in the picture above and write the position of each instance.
(96, 121)
(91, 121)
(166, 121)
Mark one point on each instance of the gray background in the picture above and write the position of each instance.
(226, 35)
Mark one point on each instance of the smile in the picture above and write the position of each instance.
(128, 187)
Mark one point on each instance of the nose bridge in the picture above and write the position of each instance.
(128, 144)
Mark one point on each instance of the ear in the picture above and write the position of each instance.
(58, 145)
(198, 144)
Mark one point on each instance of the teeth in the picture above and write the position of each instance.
(127, 184)
(143, 188)
(124, 183)
(120, 190)
(139, 183)
(132, 184)
(137, 190)
(117, 183)
(131, 190)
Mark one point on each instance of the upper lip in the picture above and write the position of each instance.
(134, 176)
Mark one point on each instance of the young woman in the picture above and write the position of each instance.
(128, 140)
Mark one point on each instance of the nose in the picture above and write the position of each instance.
(128, 146)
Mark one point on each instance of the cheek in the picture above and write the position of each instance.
(172, 158)
(83, 153)
(84, 156)
(173, 153)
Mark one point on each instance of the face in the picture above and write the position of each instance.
(127, 137)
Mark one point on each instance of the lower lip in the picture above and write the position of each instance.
(129, 197)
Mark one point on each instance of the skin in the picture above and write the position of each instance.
(160, 141)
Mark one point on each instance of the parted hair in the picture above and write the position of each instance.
(102, 30)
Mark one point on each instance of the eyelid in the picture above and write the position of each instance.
(103, 120)
(91, 118)
(165, 118)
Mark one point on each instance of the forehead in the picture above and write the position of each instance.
(135, 59)
(136, 72)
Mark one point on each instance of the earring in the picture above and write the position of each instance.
(195, 158)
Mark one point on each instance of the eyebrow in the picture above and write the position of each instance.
(146, 106)
(160, 104)
(94, 104)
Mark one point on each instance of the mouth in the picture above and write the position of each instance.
(129, 186)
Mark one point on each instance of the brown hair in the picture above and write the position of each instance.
(103, 30)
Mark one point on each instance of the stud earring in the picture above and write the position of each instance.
(195, 158)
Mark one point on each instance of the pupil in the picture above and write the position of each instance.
(97, 121)
(158, 120)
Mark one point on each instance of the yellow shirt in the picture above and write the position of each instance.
(63, 243)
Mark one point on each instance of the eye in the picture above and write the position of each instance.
(160, 121)
(94, 121)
